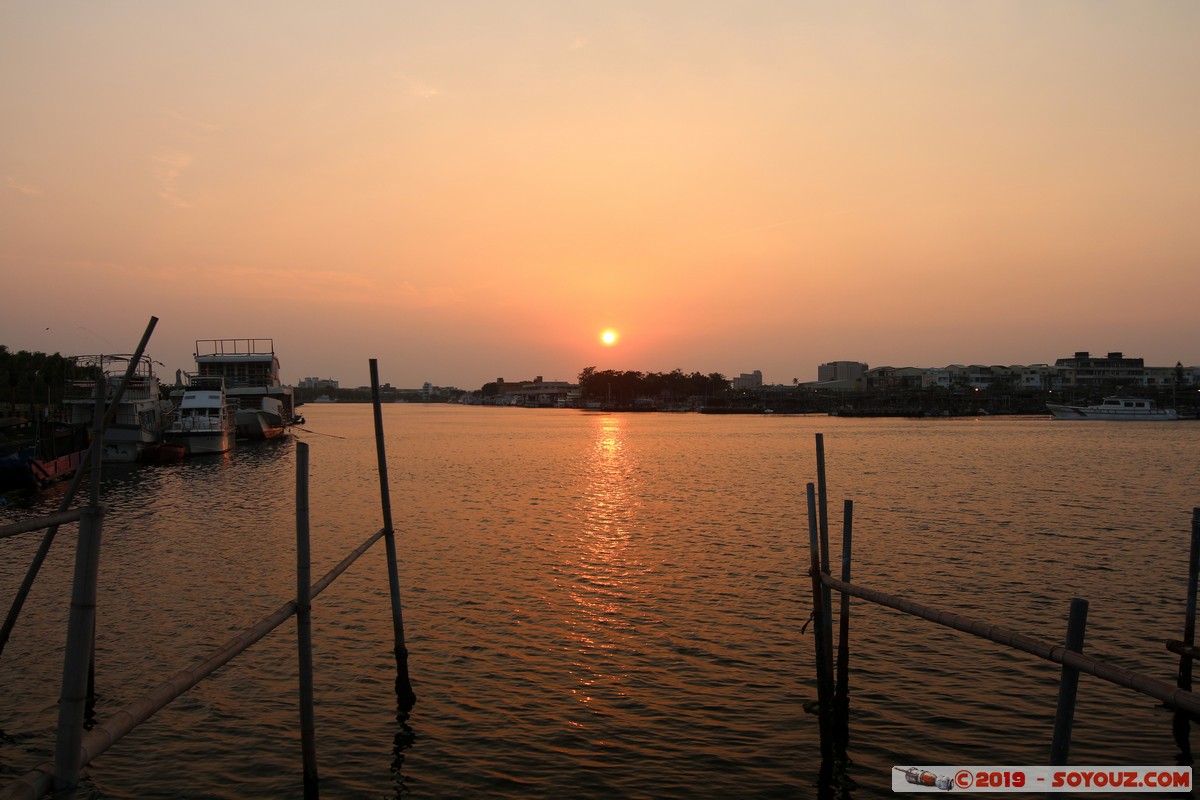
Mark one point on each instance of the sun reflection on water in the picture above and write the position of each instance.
(606, 565)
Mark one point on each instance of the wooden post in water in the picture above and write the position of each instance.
(308, 736)
(405, 697)
(1068, 686)
(842, 690)
(823, 529)
(1182, 725)
(81, 626)
(820, 641)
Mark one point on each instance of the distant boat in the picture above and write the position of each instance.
(1115, 409)
(205, 421)
(265, 407)
(141, 416)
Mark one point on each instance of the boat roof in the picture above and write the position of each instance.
(236, 349)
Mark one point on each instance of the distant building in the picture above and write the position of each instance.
(537, 392)
(318, 383)
(748, 381)
(1087, 371)
(841, 371)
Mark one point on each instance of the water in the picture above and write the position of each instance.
(610, 605)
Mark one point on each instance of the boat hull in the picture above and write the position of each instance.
(259, 425)
(204, 442)
(1112, 414)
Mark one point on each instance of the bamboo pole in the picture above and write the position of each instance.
(38, 523)
(1181, 724)
(1059, 654)
(823, 504)
(1068, 686)
(39, 557)
(81, 630)
(405, 697)
(308, 740)
(841, 692)
(820, 612)
(37, 781)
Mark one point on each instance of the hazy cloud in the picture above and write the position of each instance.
(187, 127)
(578, 43)
(419, 88)
(168, 165)
(23, 188)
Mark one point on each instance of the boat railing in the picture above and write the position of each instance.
(235, 347)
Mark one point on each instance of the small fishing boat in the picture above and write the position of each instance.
(1115, 409)
(205, 421)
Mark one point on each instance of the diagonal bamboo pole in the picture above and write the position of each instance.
(48, 539)
(1058, 653)
(36, 783)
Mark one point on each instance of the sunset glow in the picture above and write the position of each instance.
(749, 186)
(609, 337)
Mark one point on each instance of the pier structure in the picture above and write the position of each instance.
(833, 692)
(76, 747)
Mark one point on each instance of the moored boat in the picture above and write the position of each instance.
(205, 421)
(250, 369)
(56, 453)
(141, 416)
(1115, 409)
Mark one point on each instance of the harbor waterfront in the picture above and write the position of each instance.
(610, 605)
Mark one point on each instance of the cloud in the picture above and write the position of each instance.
(418, 88)
(187, 127)
(168, 166)
(23, 188)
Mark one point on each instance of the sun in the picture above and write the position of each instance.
(609, 337)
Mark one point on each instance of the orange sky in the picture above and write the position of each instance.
(473, 190)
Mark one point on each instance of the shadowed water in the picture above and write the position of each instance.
(610, 605)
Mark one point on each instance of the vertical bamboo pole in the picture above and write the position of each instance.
(1181, 724)
(820, 612)
(405, 697)
(842, 689)
(308, 739)
(39, 557)
(823, 527)
(81, 625)
(1068, 686)
(823, 503)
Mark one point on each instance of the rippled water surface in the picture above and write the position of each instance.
(610, 605)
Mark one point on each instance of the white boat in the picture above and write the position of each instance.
(265, 407)
(1115, 408)
(141, 416)
(205, 421)
(264, 422)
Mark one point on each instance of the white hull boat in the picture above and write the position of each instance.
(205, 420)
(1116, 409)
(250, 369)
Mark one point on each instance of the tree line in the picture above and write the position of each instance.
(32, 378)
(625, 387)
